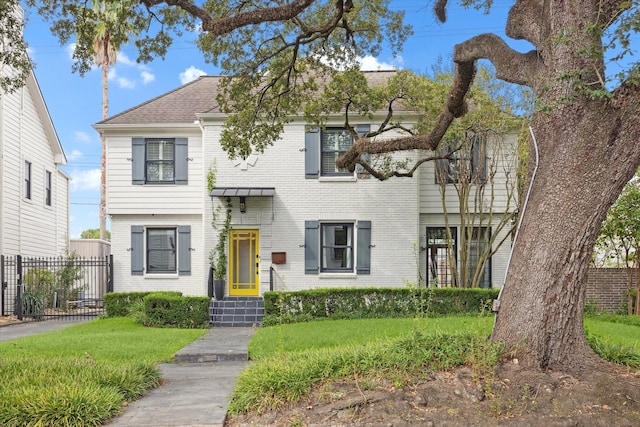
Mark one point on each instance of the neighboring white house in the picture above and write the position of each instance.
(297, 222)
(34, 192)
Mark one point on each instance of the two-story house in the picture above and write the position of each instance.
(297, 222)
(34, 191)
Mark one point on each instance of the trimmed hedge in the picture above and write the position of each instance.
(118, 304)
(174, 311)
(348, 303)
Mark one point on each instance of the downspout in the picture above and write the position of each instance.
(1, 175)
(496, 303)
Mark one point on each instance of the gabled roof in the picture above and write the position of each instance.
(177, 106)
(183, 104)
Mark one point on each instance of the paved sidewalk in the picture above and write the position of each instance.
(195, 390)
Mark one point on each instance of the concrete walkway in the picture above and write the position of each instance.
(195, 390)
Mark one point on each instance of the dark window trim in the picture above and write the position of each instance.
(149, 270)
(432, 253)
(337, 250)
(158, 161)
(324, 132)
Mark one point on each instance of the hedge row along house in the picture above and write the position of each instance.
(296, 221)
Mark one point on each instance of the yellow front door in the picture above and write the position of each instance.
(244, 262)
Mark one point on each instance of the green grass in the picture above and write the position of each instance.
(81, 376)
(290, 359)
(326, 334)
(117, 339)
(615, 338)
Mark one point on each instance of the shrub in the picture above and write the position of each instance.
(33, 305)
(175, 311)
(119, 304)
(341, 303)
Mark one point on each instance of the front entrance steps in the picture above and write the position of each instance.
(236, 312)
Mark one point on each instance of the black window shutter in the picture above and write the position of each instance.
(138, 159)
(181, 159)
(362, 130)
(363, 264)
(184, 250)
(311, 246)
(312, 153)
(137, 250)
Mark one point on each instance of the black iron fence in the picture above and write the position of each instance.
(54, 288)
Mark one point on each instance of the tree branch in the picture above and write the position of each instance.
(511, 66)
(221, 26)
(455, 106)
(525, 20)
(610, 10)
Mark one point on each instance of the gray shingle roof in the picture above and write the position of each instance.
(183, 103)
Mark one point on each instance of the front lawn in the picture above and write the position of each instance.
(289, 359)
(82, 375)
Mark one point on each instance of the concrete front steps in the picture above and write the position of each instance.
(236, 312)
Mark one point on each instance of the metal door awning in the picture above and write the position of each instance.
(243, 192)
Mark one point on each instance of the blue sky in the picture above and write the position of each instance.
(74, 102)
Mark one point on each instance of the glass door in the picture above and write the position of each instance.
(244, 262)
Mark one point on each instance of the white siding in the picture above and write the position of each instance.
(501, 158)
(123, 281)
(29, 227)
(125, 198)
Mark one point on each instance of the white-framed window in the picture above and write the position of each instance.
(27, 179)
(337, 247)
(322, 147)
(160, 250)
(48, 188)
(334, 142)
(159, 161)
(468, 162)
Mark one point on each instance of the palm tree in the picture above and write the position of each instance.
(105, 55)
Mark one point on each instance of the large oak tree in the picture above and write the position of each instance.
(585, 128)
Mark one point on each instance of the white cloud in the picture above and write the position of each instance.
(126, 83)
(191, 74)
(70, 48)
(85, 180)
(82, 136)
(369, 63)
(147, 77)
(74, 155)
(123, 59)
(112, 73)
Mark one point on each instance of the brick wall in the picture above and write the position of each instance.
(607, 287)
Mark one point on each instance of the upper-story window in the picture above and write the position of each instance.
(47, 188)
(27, 179)
(159, 161)
(334, 143)
(467, 164)
(323, 147)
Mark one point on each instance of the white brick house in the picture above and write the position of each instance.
(34, 192)
(297, 223)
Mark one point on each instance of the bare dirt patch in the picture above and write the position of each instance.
(515, 397)
(9, 320)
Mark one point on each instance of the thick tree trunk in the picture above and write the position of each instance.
(582, 170)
